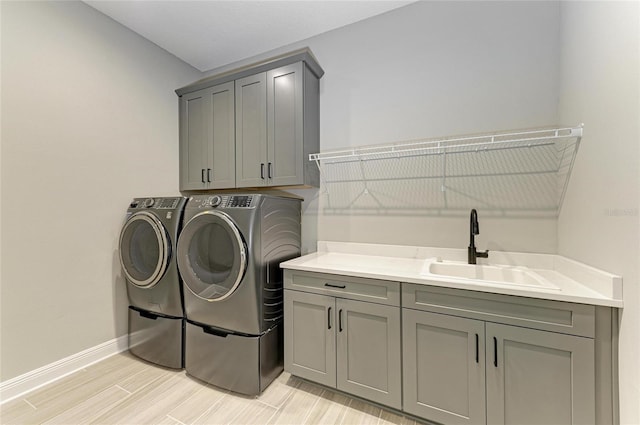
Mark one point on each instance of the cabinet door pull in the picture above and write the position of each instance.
(477, 349)
(335, 286)
(495, 351)
(209, 175)
(269, 167)
(340, 320)
(202, 175)
(329, 318)
(262, 170)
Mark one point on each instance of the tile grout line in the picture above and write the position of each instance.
(379, 417)
(30, 404)
(312, 406)
(209, 408)
(174, 419)
(126, 391)
(266, 404)
(345, 411)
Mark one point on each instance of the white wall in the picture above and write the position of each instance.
(89, 120)
(599, 224)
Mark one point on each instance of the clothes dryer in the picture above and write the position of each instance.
(147, 255)
(229, 255)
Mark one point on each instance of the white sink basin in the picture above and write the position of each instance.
(505, 275)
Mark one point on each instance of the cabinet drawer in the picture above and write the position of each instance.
(555, 316)
(356, 288)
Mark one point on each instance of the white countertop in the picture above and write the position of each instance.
(551, 277)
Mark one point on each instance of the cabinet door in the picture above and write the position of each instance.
(309, 336)
(195, 109)
(538, 377)
(221, 172)
(285, 125)
(251, 131)
(369, 351)
(443, 367)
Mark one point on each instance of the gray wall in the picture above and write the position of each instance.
(435, 69)
(599, 224)
(89, 120)
(432, 69)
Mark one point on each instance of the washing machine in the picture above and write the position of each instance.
(147, 255)
(229, 255)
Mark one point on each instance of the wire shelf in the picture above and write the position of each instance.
(526, 170)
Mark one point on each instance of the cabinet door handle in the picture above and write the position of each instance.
(335, 286)
(495, 351)
(340, 320)
(209, 175)
(477, 349)
(262, 170)
(329, 318)
(202, 175)
(269, 167)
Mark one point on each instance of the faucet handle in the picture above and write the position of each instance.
(482, 254)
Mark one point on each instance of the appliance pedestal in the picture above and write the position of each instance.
(245, 364)
(156, 338)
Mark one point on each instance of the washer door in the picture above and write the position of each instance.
(144, 249)
(212, 256)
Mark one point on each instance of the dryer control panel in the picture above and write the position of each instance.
(223, 201)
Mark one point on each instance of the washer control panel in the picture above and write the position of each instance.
(157, 203)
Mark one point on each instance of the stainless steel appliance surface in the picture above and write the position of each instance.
(147, 250)
(229, 252)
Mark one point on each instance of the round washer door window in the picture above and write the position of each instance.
(144, 249)
(212, 256)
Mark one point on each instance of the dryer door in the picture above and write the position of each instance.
(144, 249)
(212, 256)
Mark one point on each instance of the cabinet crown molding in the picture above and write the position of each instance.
(301, 55)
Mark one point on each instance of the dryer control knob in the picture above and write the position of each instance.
(215, 201)
(148, 203)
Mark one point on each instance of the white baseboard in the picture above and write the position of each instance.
(29, 381)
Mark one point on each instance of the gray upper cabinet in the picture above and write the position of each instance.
(258, 132)
(251, 131)
(276, 124)
(207, 138)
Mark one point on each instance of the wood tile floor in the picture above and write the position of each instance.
(125, 390)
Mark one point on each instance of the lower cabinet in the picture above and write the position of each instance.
(350, 345)
(455, 368)
(444, 367)
(538, 377)
(452, 356)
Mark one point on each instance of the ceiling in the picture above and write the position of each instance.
(210, 34)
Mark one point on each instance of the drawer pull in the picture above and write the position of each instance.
(329, 318)
(335, 286)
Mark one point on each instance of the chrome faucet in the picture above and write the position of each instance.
(474, 229)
